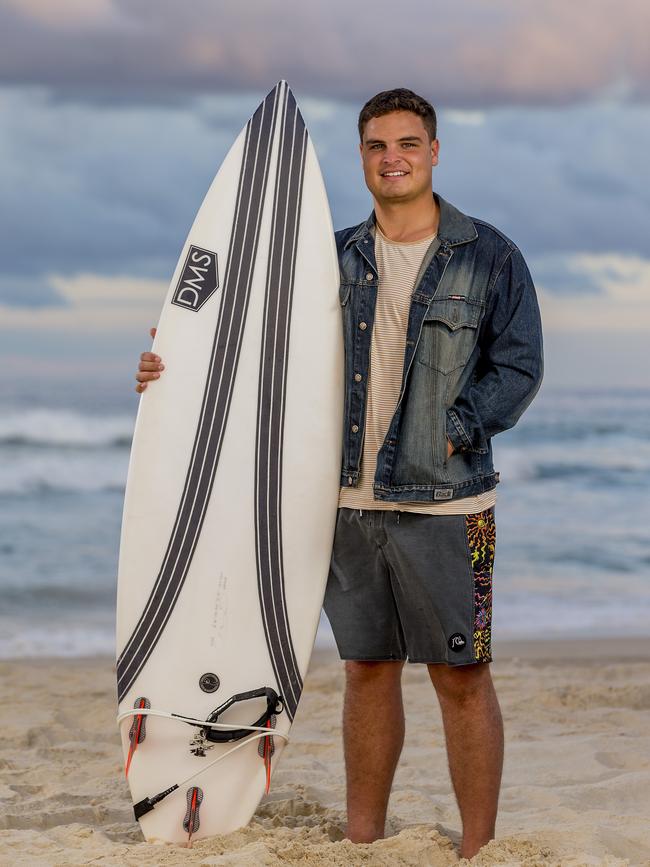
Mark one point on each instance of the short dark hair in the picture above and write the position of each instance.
(399, 99)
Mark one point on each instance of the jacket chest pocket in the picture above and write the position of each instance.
(449, 332)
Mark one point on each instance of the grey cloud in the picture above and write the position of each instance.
(525, 171)
(463, 54)
(111, 191)
(114, 190)
(16, 290)
(561, 277)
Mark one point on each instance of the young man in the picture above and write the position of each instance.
(443, 351)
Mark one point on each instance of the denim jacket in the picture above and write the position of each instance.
(473, 359)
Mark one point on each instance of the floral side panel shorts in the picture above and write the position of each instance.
(404, 585)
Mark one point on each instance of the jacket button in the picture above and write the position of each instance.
(349, 480)
(369, 276)
(355, 428)
(357, 377)
(362, 326)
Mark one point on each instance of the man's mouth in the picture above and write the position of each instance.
(393, 174)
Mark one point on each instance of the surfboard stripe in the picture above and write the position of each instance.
(271, 402)
(217, 394)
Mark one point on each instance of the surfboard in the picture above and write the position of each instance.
(232, 489)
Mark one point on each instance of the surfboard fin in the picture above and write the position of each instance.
(138, 731)
(191, 821)
(266, 750)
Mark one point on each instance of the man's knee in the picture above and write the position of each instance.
(367, 671)
(463, 683)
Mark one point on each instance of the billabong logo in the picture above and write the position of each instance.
(199, 279)
(457, 642)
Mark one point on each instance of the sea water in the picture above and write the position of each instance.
(572, 515)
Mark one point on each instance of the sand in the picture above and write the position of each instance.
(576, 787)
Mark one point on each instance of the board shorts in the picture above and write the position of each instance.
(408, 586)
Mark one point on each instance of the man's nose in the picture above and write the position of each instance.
(391, 155)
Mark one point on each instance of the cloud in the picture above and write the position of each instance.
(465, 118)
(555, 180)
(594, 292)
(64, 14)
(92, 303)
(113, 190)
(466, 54)
(107, 191)
(28, 292)
(578, 293)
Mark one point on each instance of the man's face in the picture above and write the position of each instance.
(397, 157)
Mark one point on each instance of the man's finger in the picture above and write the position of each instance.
(152, 331)
(140, 387)
(146, 377)
(149, 356)
(150, 365)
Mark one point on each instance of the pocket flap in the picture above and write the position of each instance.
(455, 311)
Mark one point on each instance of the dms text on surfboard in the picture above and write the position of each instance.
(199, 279)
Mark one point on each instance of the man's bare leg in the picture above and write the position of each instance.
(373, 736)
(474, 736)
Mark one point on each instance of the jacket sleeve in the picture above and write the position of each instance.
(511, 362)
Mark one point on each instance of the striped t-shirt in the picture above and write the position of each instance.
(398, 265)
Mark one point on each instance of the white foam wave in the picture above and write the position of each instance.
(67, 471)
(64, 639)
(523, 618)
(526, 462)
(50, 427)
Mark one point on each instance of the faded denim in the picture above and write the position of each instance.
(473, 360)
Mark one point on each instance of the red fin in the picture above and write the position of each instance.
(191, 819)
(134, 739)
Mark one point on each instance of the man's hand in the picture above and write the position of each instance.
(450, 448)
(149, 367)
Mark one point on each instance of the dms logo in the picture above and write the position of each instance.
(199, 279)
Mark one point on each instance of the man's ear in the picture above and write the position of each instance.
(435, 149)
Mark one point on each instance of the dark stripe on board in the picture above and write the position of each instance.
(271, 403)
(216, 399)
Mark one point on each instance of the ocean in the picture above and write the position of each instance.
(572, 555)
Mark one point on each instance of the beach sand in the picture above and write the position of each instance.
(576, 786)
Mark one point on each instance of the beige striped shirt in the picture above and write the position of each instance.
(398, 265)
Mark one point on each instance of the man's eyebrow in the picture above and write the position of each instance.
(370, 141)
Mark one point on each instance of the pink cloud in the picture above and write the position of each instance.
(470, 53)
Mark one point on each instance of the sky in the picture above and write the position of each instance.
(115, 116)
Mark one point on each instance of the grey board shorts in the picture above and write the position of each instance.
(404, 585)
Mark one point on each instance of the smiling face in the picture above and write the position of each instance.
(397, 158)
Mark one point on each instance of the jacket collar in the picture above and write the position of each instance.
(454, 228)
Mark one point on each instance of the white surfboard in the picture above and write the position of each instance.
(232, 488)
